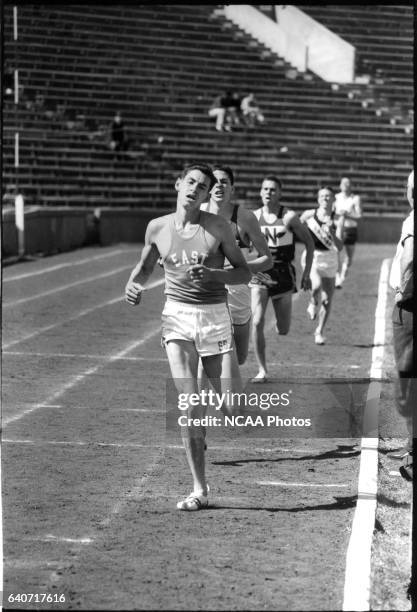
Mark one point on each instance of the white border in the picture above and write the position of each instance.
(358, 557)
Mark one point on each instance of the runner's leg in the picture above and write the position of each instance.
(283, 309)
(259, 304)
(183, 361)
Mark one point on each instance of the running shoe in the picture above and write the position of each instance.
(193, 503)
(319, 339)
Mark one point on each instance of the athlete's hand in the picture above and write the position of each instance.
(306, 282)
(266, 279)
(199, 273)
(133, 293)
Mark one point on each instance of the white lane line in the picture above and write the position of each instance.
(81, 313)
(136, 491)
(89, 279)
(278, 483)
(53, 538)
(312, 365)
(80, 377)
(152, 410)
(1, 535)
(69, 264)
(225, 448)
(358, 557)
(78, 356)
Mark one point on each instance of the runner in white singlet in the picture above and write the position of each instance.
(192, 245)
(347, 204)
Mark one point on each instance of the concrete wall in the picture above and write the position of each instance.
(47, 230)
(125, 224)
(53, 230)
(327, 54)
(374, 228)
(301, 40)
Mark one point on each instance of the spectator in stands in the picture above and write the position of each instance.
(217, 111)
(250, 110)
(119, 141)
(225, 109)
(235, 109)
(8, 81)
(348, 204)
(401, 279)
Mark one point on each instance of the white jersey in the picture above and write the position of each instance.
(350, 205)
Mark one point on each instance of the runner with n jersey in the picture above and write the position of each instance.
(279, 226)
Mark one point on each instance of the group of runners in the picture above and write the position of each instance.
(222, 264)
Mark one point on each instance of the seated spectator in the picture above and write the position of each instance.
(251, 112)
(118, 141)
(234, 109)
(8, 82)
(217, 111)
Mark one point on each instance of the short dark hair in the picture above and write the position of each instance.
(328, 187)
(275, 179)
(227, 170)
(204, 168)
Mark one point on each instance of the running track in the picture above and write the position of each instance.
(90, 480)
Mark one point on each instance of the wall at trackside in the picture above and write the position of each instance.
(125, 224)
(54, 230)
(47, 230)
(379, 229)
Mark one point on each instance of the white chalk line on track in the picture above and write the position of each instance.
(43, 294)
(78, 356)
(69, 264)
(358, 557)
(226, 448)
(1, 536)
(81, 313)
(279, 483)
(80, 377)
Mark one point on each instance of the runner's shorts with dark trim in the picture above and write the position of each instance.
(350, 235)
(283, 275)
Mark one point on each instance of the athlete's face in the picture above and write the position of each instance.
(193, 189)
(222, 190)
(326, 200)
(270, 193)
(345, 185)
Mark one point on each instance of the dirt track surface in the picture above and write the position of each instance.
(90, 479)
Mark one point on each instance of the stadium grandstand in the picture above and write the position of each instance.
(161, 66)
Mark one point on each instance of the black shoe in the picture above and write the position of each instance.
(406, 470)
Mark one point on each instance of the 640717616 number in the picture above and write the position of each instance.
(36, 598)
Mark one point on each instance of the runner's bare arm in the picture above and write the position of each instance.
(302, 233)
(250, 225)
(143, 269)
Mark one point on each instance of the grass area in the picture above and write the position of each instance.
(391, 547)
(391, 552)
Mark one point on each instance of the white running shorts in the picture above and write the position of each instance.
(325, 263)
(239, 301)
(208, 326)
